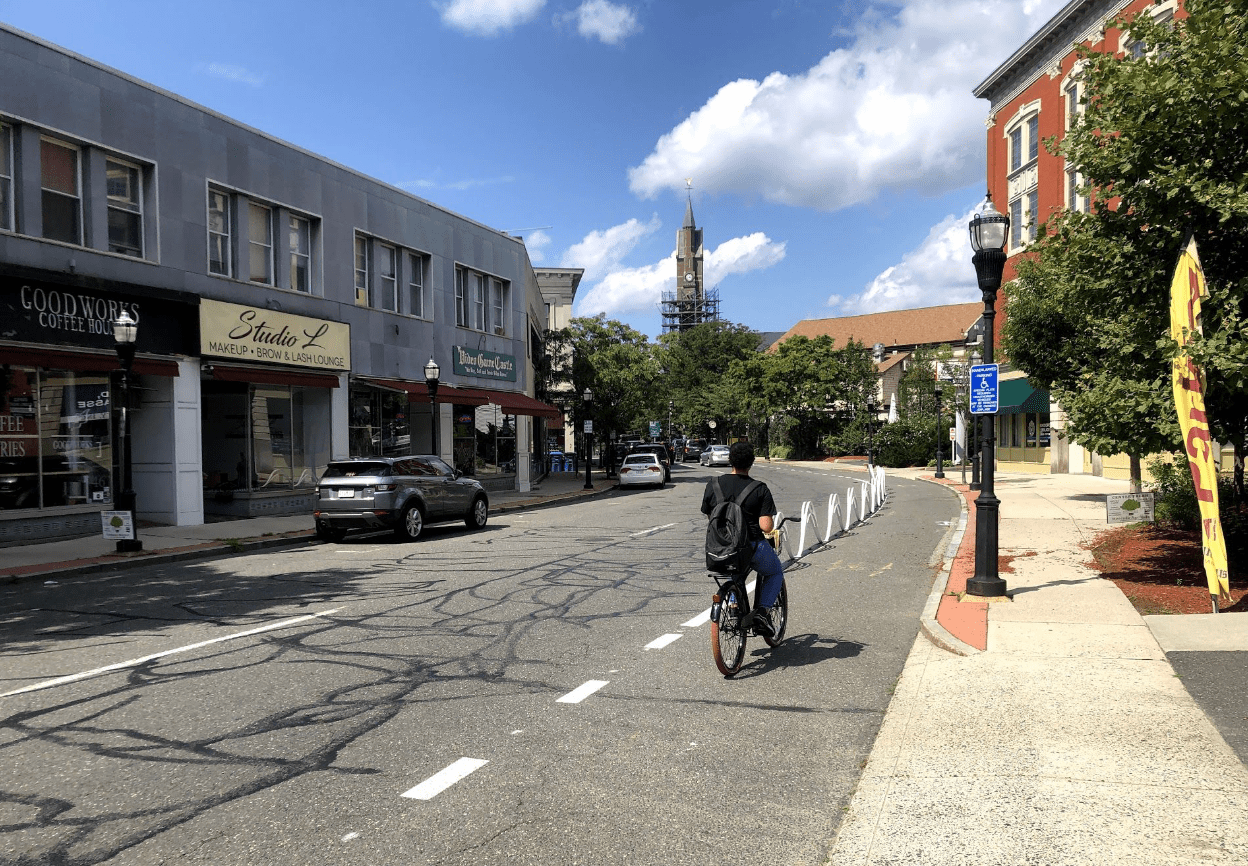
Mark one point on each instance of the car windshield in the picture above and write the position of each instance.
(357, 469)
(648, 459)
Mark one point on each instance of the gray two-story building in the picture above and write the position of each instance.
(287, 307)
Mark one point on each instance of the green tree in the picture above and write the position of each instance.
(817, 387)
(1163, 143)
(694, 362)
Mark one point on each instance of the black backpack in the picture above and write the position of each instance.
(728, 547)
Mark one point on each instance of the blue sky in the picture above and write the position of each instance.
(834, 147)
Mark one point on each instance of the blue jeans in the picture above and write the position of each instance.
(770, 574)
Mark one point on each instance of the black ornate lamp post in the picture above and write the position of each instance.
(940, 470)
(432, 371)
(125, 332)
(588, 398)
(871, 410)
(989, 231)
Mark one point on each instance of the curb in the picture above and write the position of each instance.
(928, 625)
(219, 550)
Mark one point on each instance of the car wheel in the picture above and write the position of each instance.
(478, 514)
(332, 534)
(411, 524)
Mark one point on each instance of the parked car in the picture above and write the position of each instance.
(398, 493)
(642, 469)
(715, 455)
(693, 449)
(659, 451)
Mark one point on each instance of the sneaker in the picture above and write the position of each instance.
(762, 623)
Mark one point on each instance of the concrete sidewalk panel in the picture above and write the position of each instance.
(1073, 640)
(1204, 632)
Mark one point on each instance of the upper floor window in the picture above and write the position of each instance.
(498, 307)
(461, 297)
(482, 302)
(1023, 136)
(60, 185)
(387, 278)
(125, 208)
(220, 260)
(6, 179)
(300, 254)
(362, 270)
(260, 243)
(477, 281)
(416, 284)
(382, 269)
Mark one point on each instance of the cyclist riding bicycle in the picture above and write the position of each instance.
(759, 509)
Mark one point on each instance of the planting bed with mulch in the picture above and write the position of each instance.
(1159, 569)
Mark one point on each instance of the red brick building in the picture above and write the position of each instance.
(1033, 96)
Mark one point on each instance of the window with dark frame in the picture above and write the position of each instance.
(125, 208)
(478, 302)
(461, 297)
(62, 199)
(387, 278)
(300, 254)
(6, 179)
(498, 311)
(362, 269)
(260, 243)
(416, 285)
(220, 261)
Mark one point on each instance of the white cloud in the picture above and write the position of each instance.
(601, 252)
(609, 22)
(891, 112)
(536, 243)
(936, 272)
(235, 73)
(488, 17)
(636, 289)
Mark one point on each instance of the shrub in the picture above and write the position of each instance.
(1175, 502)
(781, 452)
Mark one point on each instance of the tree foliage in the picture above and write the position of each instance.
(1163, 145)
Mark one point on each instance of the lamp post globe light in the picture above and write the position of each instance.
(125, 333)
(432, 372)
(940, 471)
(989, 230)
(588, 398)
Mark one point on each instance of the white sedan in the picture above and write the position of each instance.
(715, 455)
(641, 470)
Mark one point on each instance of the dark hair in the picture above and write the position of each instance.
(741, 455)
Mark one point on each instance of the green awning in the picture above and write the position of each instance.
(1017, 396)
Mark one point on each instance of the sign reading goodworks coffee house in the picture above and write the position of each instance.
(260, 334)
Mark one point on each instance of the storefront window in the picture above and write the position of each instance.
(1033, 431)
(496, 441)
(264, 437)
(464, 442)
(55, 438)
(380, 423)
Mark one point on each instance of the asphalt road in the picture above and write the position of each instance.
(541, 691)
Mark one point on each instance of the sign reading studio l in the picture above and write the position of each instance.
(260, 334)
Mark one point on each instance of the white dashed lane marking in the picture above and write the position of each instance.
(651, 530)
(581, 692)
(443, 779)
(660, 642)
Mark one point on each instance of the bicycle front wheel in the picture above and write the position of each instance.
(728, 631)
(779, 611)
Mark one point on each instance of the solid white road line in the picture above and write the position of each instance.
(705, 616)
(659, 643)
(60, 681)
(580, 693)
(652, 529)
(443, 779)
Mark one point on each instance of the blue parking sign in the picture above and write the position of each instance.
(985, 389)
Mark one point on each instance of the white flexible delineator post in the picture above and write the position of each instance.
(862, 503)
(849, 508)
(833, 505)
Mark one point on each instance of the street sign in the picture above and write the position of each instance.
(1129, 508)
(985, 389)
(589, 426)
(655, 429)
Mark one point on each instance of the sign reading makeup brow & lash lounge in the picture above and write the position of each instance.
(259, 334)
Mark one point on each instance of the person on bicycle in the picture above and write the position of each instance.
(759, 509)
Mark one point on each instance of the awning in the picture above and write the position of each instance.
(511, 402)
(83, 362)
(272, 376)
(1017, 396)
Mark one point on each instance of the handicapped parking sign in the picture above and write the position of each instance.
(985, 389)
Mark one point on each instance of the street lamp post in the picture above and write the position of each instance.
(669, 420)
(871, 410)
(125, 333)
(712, 425)
(940, 471)
(588, 397)
(432, 371)
(989, 231)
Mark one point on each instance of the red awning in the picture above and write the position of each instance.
(272, 376)
(515, 403)
(84, 362)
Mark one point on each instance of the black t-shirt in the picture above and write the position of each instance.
(758, 503)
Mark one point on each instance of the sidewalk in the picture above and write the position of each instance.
(78, 556)
(1050, 728)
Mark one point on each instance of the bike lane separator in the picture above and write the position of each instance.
(705, 616)
(581, 692)
(444, 778)
(660, 642)
(73, 678)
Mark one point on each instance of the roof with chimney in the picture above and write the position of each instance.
(896, 329)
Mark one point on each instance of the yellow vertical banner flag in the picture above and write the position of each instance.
(1186, 290)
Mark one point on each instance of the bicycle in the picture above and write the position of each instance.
(732, 618)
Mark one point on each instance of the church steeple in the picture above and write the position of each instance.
(690, 304)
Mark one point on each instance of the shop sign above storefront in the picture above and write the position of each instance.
(483, 365)
(260, 334)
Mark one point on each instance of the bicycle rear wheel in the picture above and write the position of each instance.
(779, 611)
(728, 631)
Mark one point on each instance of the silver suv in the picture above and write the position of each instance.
(399, 493)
